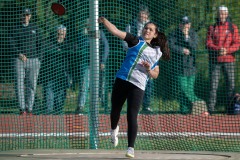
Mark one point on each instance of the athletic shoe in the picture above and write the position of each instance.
(114, 136)
(205, 114)
(79, 111)
(147, 110)
(130, 152)
(199, 107)
(24, 113)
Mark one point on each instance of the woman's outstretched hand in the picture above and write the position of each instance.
(101, 19)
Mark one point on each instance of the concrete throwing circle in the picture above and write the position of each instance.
(110, 155)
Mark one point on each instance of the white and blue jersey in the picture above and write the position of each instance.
(138, 51)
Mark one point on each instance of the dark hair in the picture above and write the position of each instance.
(161, 41)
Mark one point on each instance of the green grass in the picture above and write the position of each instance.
(34, 143)
(146, 143)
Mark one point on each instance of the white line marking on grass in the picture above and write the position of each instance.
(103, 134)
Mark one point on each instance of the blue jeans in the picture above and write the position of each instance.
(215, 72)
(103, 91)
(28, 70)
(55, 96)
(83, 87)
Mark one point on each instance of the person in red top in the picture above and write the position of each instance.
(222, 42)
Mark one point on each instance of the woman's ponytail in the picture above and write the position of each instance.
(162, 42)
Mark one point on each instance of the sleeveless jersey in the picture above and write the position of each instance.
(132, 70)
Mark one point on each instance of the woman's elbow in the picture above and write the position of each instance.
(155, 75)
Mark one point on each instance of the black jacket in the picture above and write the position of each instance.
(181, 63)
(27, 41)
(55, 62)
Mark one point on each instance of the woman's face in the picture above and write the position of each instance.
(149, 32)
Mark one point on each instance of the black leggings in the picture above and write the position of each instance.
(123, 90)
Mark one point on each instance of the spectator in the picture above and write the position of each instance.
(222, 42)
(84, 45)
(26, 41)
(135, 27)
(183, 42)
(55, 77)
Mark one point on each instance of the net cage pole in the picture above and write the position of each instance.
(94, 73)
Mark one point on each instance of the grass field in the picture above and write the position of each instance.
(149, 143)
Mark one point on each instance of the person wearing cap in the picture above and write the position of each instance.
(222, 42)
(55, 70)
(84, 82)
(183, 42)
(135, 27)
(27, 43)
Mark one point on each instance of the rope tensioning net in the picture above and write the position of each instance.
(57, 73)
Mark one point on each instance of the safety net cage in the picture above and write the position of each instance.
(58, 66)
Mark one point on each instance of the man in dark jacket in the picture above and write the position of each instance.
(84, 80)
(183, 43)
(55, 68)
(26, 42)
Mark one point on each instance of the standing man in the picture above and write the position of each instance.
(55, 69)
(84, 47)
(135, 27)
(26, 41)
(183, 42)
(222, 42)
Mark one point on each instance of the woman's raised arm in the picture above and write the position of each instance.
(112, 28)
